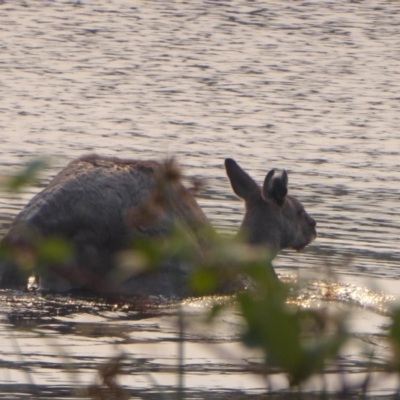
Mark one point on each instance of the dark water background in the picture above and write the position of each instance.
(309, 86)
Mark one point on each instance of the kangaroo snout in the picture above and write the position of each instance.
(273, 217)
(100, 204)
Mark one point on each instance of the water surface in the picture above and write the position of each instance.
(312, 87)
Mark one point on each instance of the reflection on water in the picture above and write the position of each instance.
(316, 291)
(311, 87)
(66, 339)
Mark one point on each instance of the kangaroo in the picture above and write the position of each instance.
(272, 218)
(100, 204)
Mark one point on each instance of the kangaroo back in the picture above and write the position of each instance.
(99, 205)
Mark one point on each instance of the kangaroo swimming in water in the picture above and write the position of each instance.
(100, 204)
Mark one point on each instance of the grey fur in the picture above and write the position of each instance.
(272, 217)
(95, 204)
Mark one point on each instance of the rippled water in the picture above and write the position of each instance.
(312, 87)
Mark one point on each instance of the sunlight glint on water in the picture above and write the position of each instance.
(309, 87)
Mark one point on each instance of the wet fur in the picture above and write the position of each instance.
(100, 204)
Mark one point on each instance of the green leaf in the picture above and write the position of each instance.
(54, 250)
(27, 175)
(203, 281)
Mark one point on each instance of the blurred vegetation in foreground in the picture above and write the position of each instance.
(299, 342)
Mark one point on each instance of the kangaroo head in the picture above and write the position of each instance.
(272, 217)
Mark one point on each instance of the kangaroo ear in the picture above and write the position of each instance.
(242, 184)
(275, 186)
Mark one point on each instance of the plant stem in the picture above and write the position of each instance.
(181, 355)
